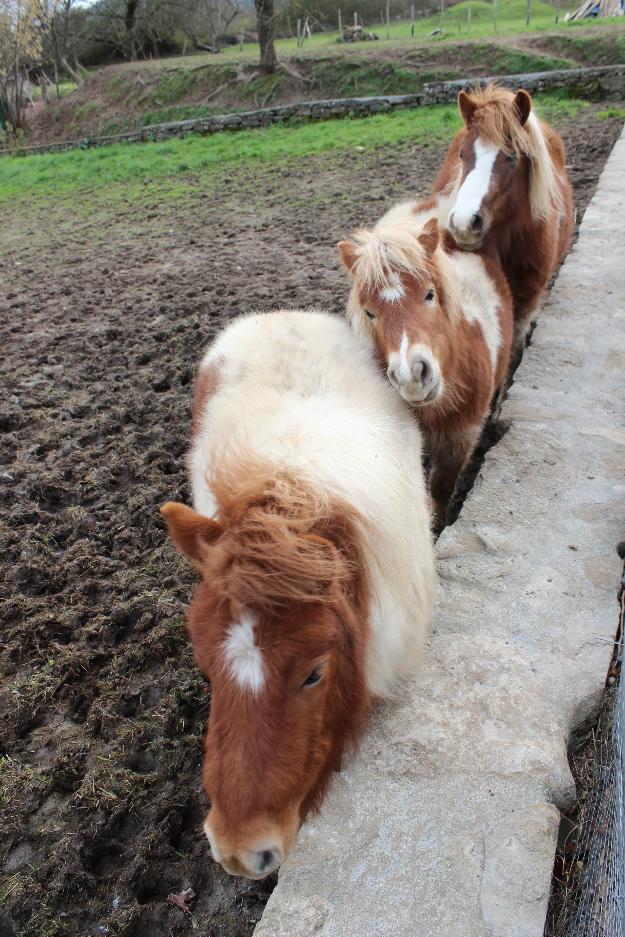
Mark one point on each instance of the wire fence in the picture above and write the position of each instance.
(588, 899)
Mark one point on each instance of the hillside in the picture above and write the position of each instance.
(120, 98)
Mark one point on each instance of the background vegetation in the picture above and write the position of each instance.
(193, 58)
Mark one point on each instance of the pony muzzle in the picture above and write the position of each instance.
(415, 373)
(256, 851)
(469, 230)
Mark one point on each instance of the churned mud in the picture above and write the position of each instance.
(104, 311)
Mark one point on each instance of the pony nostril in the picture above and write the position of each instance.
(266, 860)
(477, 223)
(422, 371)
(391, 373)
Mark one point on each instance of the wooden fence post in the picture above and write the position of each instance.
(412, 20)
(388, 21)
(340, 25)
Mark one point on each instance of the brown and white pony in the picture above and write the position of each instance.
(440, 320)
(509, 193)
(311, 533)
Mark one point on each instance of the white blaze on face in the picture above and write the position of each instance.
(475, 186)
(392, 292)
(399, 365)
(243, 657)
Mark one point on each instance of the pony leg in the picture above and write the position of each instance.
(523, 328)
(449, 457)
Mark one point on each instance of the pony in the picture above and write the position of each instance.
(505, 187)
(441, 323)
(311, 535)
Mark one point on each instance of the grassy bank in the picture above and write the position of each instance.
(123, 98)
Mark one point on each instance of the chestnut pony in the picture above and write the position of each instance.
(440, 320)
(311, 535)
(509, 193)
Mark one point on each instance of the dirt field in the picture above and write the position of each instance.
(105, 314)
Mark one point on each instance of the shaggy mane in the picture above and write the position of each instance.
(496, 119)
(273, 551)
(393, 247)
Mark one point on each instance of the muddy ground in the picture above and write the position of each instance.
(104, 311)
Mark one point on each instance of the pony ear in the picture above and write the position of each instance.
(523, 104)
(348, 254)
(430, 236)
(466, 106)
(190, 532)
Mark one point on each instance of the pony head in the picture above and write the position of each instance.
(404, 299)
(505, 168)
(279, 626)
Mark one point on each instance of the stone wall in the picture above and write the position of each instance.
(602, 82)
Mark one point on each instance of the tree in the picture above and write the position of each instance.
(131, 22)
(264, 24)
(21, 23)
(208, 19)
(59, 38)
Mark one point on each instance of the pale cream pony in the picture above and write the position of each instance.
(312, 536)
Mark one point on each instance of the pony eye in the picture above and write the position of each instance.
(369, 314)
(429, 296)
(461, 154)
(511, 158)
(313, 677)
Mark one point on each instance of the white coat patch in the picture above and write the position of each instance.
(393, 292)
(404, 365)
(475, 186)
(480, 300)
(243, 656)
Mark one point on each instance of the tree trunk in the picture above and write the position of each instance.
(264, 24)
(72, 72)
(131, 22)
(17, 111)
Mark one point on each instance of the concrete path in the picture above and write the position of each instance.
(446, 823)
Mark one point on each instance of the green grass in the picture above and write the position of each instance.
(129, 167)
(604, 49)
(65, 88)
(510, 20)
(611, 112)
(54, 173)
(84, 112)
